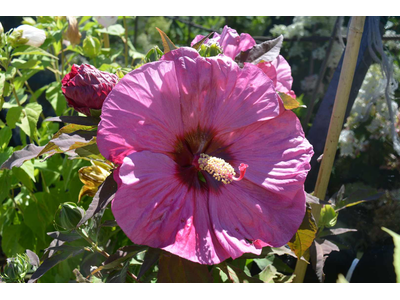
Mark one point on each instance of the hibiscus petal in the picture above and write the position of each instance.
(216, 93)
(154, 208)
(277, 153)
(142, 112)
(246, 216)
(280, 72)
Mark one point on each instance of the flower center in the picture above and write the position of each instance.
(219, 168)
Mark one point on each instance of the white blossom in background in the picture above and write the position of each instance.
(370, 104)
(308, 83)
(35, 36)
(106, 21)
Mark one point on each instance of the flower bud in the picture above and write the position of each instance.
(72, 34)
(1, 29)
(208, 49)
(91, 46)
(86, 88)
(16, 269)
(27, 35)
(106, 21)
(69, 215)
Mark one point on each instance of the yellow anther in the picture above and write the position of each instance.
(217, 167)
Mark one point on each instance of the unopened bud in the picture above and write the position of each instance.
(207, 50)
(27, 35)
(69, 215)
(91, 46)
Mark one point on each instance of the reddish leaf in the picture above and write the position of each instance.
(174, 269)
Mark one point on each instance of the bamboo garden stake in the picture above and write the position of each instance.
(336, 123)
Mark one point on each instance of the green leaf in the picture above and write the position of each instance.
(167, 44)
(116, 29)
(13, 116)
(30, 64)
(23, 177)
(31, 50)
(305, 235)
(289, 102)
(2, 81)
(5, 137)
(10, 240)
(396, 257)
(29, 169)
(55, 96)
(11, 73)
(29, 121)
(5, 183)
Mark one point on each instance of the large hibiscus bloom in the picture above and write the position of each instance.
(179, 128)
(232, 44)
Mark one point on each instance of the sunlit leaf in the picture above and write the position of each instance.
(305, 235)
(30, 50)
(289, 102)
(396, 256)
(167, 44)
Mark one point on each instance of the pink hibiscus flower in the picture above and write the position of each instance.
(232, 44)
(180, 129)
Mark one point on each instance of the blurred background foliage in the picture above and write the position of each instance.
(30, 196)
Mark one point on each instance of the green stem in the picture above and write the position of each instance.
(126, 42)
(96, 248)
(336, 124)
(62, 57)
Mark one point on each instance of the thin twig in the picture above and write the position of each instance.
(191, 24)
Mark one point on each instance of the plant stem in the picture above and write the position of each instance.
(96, 248)
(126, 42)
(336, 123)
(62, 57)
(106, 40)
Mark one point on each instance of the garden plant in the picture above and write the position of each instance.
(192, 149)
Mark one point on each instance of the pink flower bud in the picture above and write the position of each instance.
(86, 88)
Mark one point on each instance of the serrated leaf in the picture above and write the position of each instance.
(33, 258)
(29, 169)
(167, 44)
(289, 102)
(199, 43)
(150, 259)
(103, 197)
(319, 251)
(116, 29)
(31, 50)
(78, 120)
(396, 256)
(29, 121)
(19, 157)
(305, 235)
(51, 262)
(266, 51)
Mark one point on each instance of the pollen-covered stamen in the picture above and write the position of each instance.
(220, 169)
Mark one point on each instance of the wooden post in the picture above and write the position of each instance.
(336, 123)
